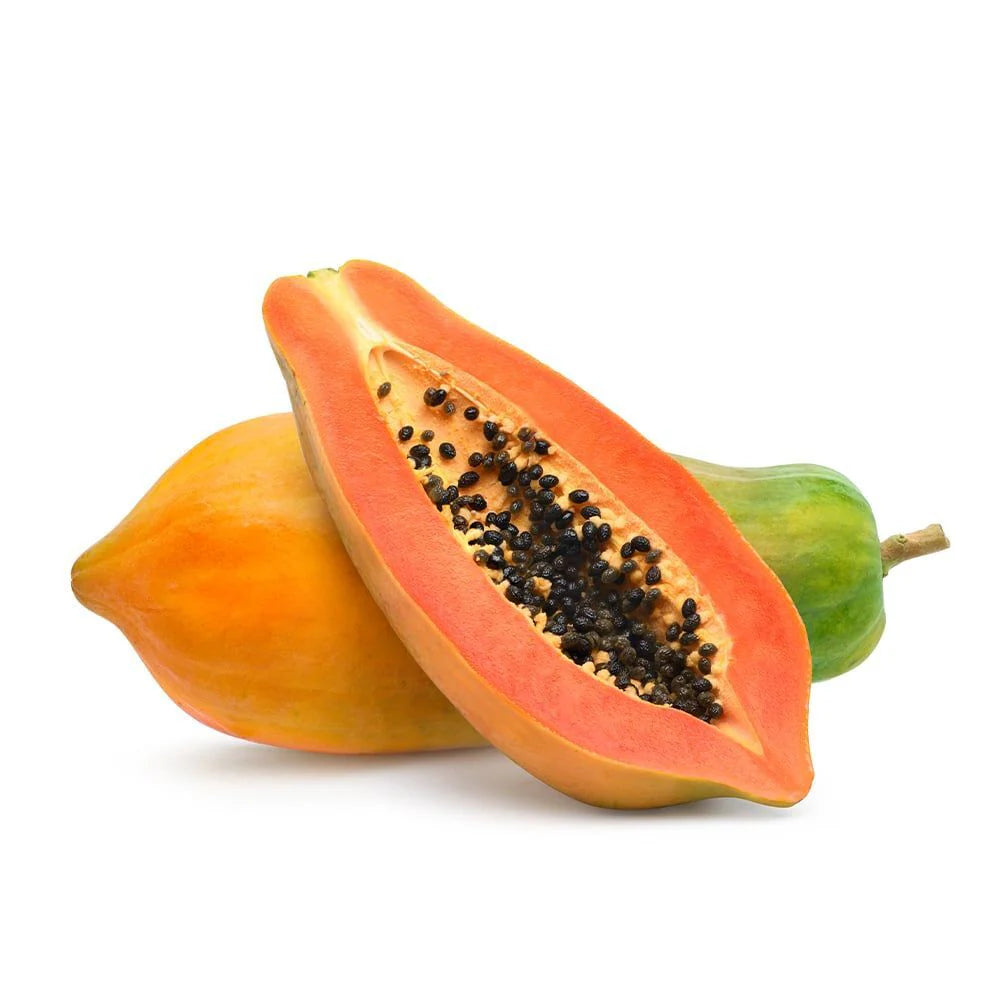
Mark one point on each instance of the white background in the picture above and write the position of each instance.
(763, 232)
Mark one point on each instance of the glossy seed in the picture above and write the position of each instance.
(579, 496)
(468, 479)
(589, 511)
(470, 412)
(705, 665)
(688, 639)
(384, 389)
(653, 574)
(691, 622)
(447, 449)
(654, 556)
(419, 451)
(626, 550)
(548, 482)
(490, 429)
(708, 649)
(435, 397)
(524, 433)
(689, 607)
(542, 446)
(475, 459)
(405, 433)
(449, 408)
(640, 543)
(427, 435)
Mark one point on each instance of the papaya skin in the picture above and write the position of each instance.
(231, 581)
(582, 737)
(232, 585)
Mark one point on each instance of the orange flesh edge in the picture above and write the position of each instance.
(318, 331)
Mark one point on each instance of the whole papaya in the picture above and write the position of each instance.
(233, 585)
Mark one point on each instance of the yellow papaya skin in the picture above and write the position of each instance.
(231, 582)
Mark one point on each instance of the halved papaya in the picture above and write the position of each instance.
(622, 642)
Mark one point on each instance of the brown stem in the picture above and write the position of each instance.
(899, 548)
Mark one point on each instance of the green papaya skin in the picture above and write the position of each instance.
(815, 529)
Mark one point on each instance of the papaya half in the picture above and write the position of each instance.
(231, 582)
(573, 591)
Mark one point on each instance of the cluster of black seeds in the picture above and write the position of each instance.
(593, 597)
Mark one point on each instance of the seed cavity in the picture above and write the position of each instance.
(559, 561)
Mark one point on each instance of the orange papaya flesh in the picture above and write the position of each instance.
(230, 582)
(507, 676)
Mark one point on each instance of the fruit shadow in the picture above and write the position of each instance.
(480, 775)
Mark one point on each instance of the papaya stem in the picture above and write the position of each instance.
(899, 548)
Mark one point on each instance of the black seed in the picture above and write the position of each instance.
(517, 506)
(427, 435)
(508, 473)
(626, 550)
(542, 446)
(432, 482)
(579, 496)
(691, 622)
(477, 502)
(633, 598)
(589, 511)
(654, 556)
(598, 567)
(604, 532)
(489, 461)
(701, 684)
(475, 459)
(529, 493)
(629, 566)
(419, 451)
(546, 497)
(496, 560)
(384, 389)
(490, 429)
(468, 479)
(550, 514)
(688, 638)
(524, 477)
(536, 471)
(652, 595)
(470, 413)
(449, 408)
(658, 695)
(501, 520)
(689, 607)
(405, 433)
(524, 433)
(705, 665)
(492, 538)
(447, 450)
(641, 543)
(673, 632)
(708, 649)
(548, 482)
(653, 575)
(435, 397)
(500, 441)
(714, 710)
(450, 495)
(609, 577)
(459, 523)
(523, 541)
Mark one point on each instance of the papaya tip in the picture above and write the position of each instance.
(899, 548)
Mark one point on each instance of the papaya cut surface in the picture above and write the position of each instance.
(608, 736)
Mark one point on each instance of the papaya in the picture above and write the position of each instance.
(624, 643)
(233, 585)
